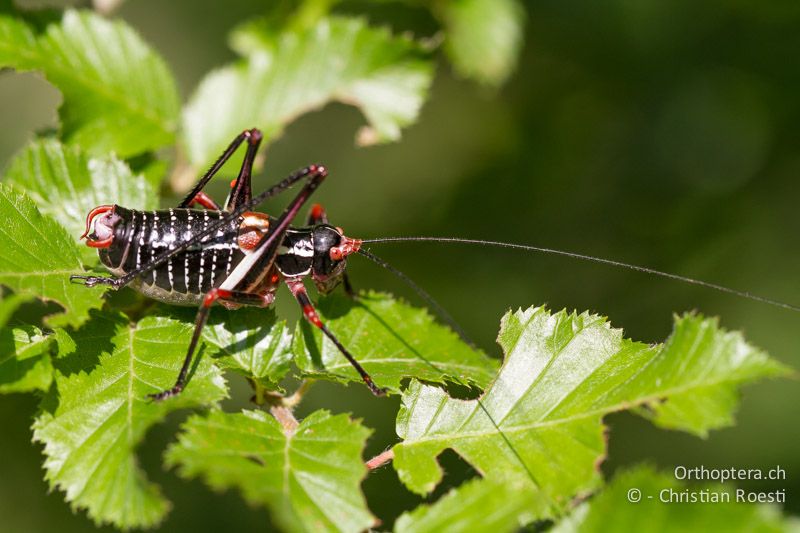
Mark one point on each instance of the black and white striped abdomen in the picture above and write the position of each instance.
(142, 235)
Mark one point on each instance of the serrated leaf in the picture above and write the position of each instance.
(392, 340)
(611, 510)
(483, 37)
(99, 413)
(24, 351)
(38, 256)
(477, 505)
(541, 419)
(250, 341)
(118, 94)
(309, 476)
(66, 184)
(25, 359)
(339, 59)
(706, 398)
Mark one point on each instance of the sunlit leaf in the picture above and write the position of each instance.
(340, 59)
(24, 351)
(540, 422)
(118, 94)
(477, 505)
(25, 359)
(99, 412)
(38, 256)
(308, 476)
(483, 38)
(66, 184)
(611, 510)
(251, 341)
(703, 396)
(391, 340)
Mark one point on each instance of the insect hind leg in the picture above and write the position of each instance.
(241, 191)
(214, 295)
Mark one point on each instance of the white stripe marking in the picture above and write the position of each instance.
(242, 269)
(153, 239)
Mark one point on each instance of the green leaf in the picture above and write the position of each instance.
(339, 59)
(308, 475)
(391, 340)
(705, 398)
(540, 422)
(610, 511)
(17, 42)
(38, 256)
(477, 505)
(251, 341)
(66, 184)
(25, 359)
(119, 95)
(483, 37)
(99, 412)
(24, 351)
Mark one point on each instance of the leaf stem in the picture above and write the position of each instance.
(286, 418)
(380, 459)
(297, 396)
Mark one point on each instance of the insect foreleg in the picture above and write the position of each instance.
(211, 297)
(301, 295)
(91, 281)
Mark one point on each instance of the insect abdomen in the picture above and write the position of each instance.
(142, 235)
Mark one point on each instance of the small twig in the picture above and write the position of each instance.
(295, 398)
(263, 396)
(286, 418)
(380, 459)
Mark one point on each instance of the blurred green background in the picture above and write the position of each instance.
(665, 134)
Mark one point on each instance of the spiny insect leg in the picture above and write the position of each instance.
(212, 296)
(315, 174)
(91, 281)
(241, 188)
(211, 172)
(300, 294)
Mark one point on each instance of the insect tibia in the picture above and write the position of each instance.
(91, 281)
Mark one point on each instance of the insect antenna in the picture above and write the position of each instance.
(593, 259)
(444, 315)
(422, 293)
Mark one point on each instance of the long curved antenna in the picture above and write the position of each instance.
(455, 379)
(422, 293)
(593, 259)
